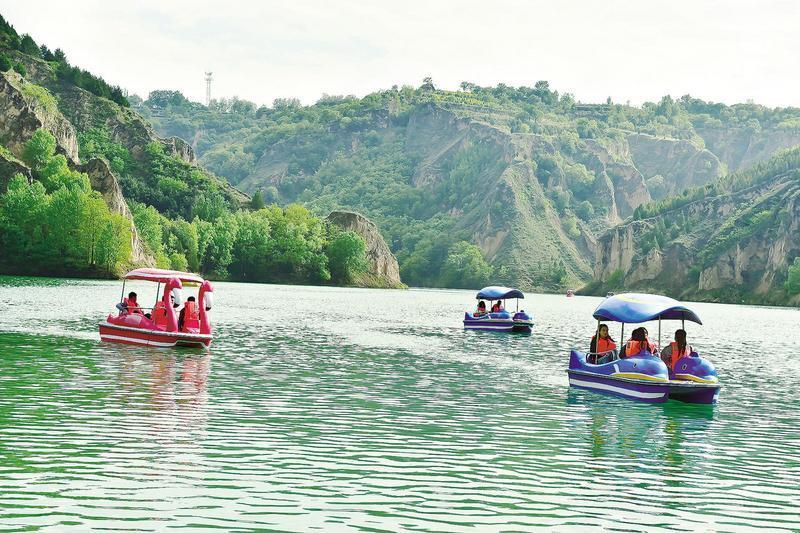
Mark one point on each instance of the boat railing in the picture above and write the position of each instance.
(600, 358)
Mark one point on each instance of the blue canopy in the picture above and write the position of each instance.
(635, 308)
(499, 293)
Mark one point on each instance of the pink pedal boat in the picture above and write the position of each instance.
(160, 326)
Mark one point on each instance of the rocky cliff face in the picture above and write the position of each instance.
(731, 246)
(25, 108)
(9, 166)
(742, 147)
(383, 270)
(679, 162)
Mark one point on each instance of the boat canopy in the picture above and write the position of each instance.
(161, 275)
(635, 308)
(498, 293)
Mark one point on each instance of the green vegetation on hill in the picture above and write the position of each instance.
(185, 217)
(58, 61)
(57, 224)
(370, 154)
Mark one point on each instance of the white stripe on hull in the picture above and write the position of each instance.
(612, 388)
(143, 342)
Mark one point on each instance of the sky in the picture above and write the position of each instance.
(631, 50)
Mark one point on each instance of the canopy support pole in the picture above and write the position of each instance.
(597, 338)
(122, 296)
(158, 289)
(659, 332)
(622, 337)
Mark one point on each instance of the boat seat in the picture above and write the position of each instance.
(191, 324)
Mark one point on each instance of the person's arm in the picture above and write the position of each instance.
(593, 345)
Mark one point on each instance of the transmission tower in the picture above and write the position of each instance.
(208, 88)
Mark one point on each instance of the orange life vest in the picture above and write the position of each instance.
(604, 345)
(676, 354)
(634, 347)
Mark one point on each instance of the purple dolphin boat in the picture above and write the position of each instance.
(519, 322)
(644, 376)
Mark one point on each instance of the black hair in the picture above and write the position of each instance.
(608, 334)
(482, 304)
(132, 295)
(190, 299)
(639, 334)
(681, 345)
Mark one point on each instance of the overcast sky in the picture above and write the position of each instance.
(637, 50)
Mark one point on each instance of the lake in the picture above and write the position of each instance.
(333, 409)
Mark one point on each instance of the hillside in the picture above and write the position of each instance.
(87, 188)
(731, 240)
(527, 175)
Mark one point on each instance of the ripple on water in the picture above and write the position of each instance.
(364, 418)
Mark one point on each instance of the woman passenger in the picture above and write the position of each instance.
(481, 310)
(676, 350)
(605, 344)
(497, 307)
(636, 344)
(602, 348)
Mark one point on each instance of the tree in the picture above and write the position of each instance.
(28, 46)
(39, 149)
(346, 256)
(257, 201)
(465, 267)
(19, 68)
(150, 225)
(22, 207)
(427, 84)
(585, 210)
(46, 54)
(5, 63)
(114, 243)
(251, 247)
(792, 284)
(166, 98)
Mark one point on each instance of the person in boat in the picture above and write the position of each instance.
(602, 350)
(190, 313)
(160, 314)
(635, 344)
(481, 310)
(677, 349)
(497, 307)
(605, 343)
(651, 346)
(130, 305)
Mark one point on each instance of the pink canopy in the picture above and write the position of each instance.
(161, 275)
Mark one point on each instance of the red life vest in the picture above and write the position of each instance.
(191, 311)
(132, 305)
(677, 354)
(160, 314)
(604, 345)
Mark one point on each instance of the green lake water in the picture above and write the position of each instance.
(326, 409)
